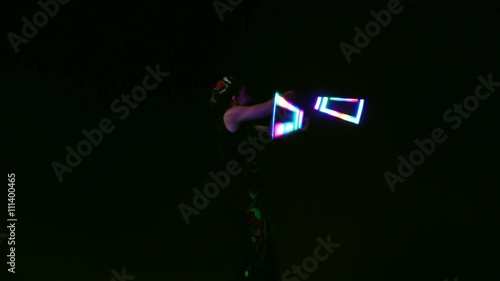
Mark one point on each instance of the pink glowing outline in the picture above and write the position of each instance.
(280, 128)
(301, 118)
(343, 116)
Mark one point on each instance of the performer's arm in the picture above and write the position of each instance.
(239, 114)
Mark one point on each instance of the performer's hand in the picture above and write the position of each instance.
(288, 95)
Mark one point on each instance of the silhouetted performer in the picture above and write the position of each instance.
(234, 123)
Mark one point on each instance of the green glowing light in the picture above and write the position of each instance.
(257, 214)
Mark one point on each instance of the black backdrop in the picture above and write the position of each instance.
(119, 207)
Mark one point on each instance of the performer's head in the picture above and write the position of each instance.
(229, 91)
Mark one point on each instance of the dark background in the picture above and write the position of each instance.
(119, 208)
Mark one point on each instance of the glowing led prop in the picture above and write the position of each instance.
(321, 103)
(282, 128)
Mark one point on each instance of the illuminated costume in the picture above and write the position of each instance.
(245, 200)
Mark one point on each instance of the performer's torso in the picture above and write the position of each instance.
(230, 142)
